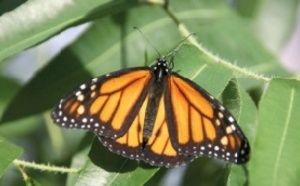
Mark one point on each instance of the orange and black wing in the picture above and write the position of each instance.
(106, 105)
(158, 150)
(200, 126)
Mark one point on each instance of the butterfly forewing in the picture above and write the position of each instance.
(200, 125)
(106, 105)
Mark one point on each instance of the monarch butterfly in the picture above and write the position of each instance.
(155, 115)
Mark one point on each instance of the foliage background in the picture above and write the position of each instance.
(233, 40)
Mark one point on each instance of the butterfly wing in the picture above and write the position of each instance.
(106, 105)
(199, 125)
(158, 151)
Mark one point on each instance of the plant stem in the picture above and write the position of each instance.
(42, 167)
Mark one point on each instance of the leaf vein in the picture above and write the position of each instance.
(283, 137)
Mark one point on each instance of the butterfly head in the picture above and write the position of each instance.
(162, 67)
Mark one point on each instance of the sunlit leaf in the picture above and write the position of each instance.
(9, 152)
(274, 159)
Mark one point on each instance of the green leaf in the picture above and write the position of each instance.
(21, 30)
(80, 159)
(238, 101)
(7, 93)
(206, 171)
(241, 105)
(9, 153)
(247, 8)
(248, 117)
(226, 35)
(64, 142)
(157, 178)
(274, 159)
(195, 65)
(21, 127)
(31, 182)
(107, 168)
(232, 98)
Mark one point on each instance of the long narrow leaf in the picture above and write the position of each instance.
(275, 160)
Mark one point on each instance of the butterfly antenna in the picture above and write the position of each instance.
(147, 40)
(191, 34)
(173, 51)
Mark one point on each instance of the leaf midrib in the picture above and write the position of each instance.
(283, 137)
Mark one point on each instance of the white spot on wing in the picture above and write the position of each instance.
(83, 86)
(242, 152)
(230, 119)
(217, 148)
(228, 130)
(80, 97)
(93, 87)
(233, 127)
(77, 93)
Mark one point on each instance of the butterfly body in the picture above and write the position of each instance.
(155, 115)
(160, 72)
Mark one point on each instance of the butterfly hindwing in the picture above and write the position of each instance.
(199, 125)
(158, 150)
(106, 105)
(128, 145)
